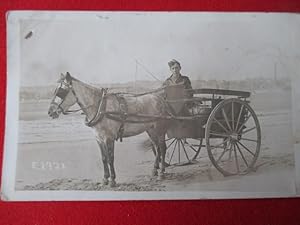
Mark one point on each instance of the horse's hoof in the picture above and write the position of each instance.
(113, 183)
(166, 164)
(105, 181)
(162, 176)
(154, 173)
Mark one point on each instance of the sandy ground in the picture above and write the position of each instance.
(63, 155)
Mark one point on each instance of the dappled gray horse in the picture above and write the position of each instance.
(112, 116)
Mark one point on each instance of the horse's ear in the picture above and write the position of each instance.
(68, 77)
(62, 77)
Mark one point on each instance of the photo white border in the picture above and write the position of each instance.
(8, 192)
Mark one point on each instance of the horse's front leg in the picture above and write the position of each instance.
(111, 156)
(104, 154)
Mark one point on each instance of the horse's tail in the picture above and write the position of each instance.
(147, 145)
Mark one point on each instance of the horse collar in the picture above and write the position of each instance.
(100, 111)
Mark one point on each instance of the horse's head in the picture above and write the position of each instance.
(64, 97)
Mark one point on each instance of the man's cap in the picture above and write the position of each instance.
(173, 62)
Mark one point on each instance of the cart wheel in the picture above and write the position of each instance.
(182, 151)
(233, 137)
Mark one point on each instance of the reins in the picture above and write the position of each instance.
(141, 94)
(120, 116)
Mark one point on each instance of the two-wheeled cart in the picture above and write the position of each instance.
(218, 119)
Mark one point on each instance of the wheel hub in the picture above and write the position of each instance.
(235, 137)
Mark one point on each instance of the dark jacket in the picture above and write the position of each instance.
(184, 80)
(180, 80)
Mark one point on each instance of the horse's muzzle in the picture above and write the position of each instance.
(54, 112)
(53, 115)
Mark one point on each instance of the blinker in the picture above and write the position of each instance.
(62, 93)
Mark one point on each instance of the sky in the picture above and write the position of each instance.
(100, 47)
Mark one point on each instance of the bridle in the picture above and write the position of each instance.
(63, 90)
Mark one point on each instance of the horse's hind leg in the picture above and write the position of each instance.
(163, 148)
(156, 152)
(104, 154)
(156, 162)
(111, 148)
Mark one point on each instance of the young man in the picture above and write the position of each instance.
(176, 77)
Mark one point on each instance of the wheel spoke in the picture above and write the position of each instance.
(171, 143)
(191, 146)
(236, 160)
(230, 152)
(246, 148)
(232, 115)
(173, 152)
(187, 157)
(221, 135)
(222, 154)
(248, 130)
(221, 125)
(243, 157)
(244, 123)
(247, 139)
(239, 117)
(168, 139)
(226, 119)
(199, 149)
(178, 152)
(219, 145)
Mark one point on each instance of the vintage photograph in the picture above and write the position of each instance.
(150, 105)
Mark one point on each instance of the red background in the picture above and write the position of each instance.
(268, 211)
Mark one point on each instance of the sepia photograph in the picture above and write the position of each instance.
(151, 105)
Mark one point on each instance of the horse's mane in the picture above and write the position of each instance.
(97, 89)
(93, 88)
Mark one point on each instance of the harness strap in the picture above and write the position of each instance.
(72, 111)
(123, 115)
(120, 116)
(112, 116)
(101, 108)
